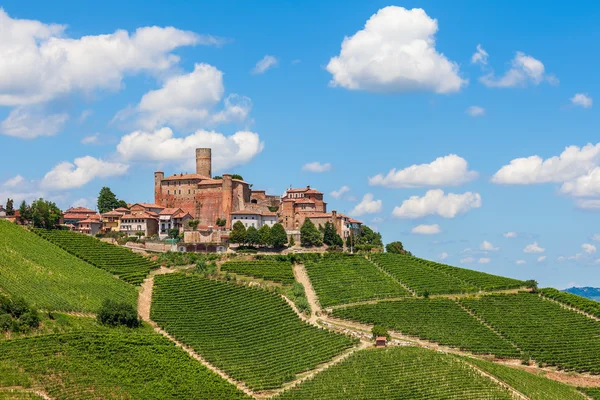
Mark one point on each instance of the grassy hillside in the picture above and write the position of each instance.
(348, 279)
(399, 373)
(123, 364)
(252, 335)
(124, 263)
(589, 306)
(438, 320)
(277, 271)
(50, 278)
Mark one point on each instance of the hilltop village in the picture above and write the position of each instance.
(203, 208)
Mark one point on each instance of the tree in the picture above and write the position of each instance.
(10, 208)
(114, 313)
(292, 242)
(379, 330)
(193, 223)
(367, 238)
(264, 235)
(238, 233)
(217, 177)
(330, 236)
(122, 204)
(139, 234)
(531, 284)
(173, 233)
(107, 201)
(221, 222)
(25, 212)
(278, 236)
(252, 237)
(237, 176)
(43, 214)
(310, 235)
(395, 248)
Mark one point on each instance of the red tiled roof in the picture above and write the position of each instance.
(80, 210)
(113, 213)
(303, 200)
(185, 176)
(169, 211)
(354, 221)
(148, 205)
(88, 221)
(317, 215)
(245, 212)
(140, 215)
(269, 214)
(182, 214)
(211, 182)
(121, 209)
(313, 191)
(74, 216)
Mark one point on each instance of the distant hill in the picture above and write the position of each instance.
(588, 292)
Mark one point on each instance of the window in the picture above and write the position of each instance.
(179, 191)
(168, 192)
(189, 192)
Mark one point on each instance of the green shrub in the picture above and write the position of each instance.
(114, 313)
(379, 330)
(302, 304)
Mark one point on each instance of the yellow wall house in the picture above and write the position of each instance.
(111, 221)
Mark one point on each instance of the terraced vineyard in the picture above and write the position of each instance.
(594, 393)
(589, 306)
(277, 271)
(533, 386)
(251, 334)
(543, 329)
(50, 278)
(18, 395)
(399, 373)
(342, 280)
(438, 320)
(120, 364)
(119, 261)
(419, 277)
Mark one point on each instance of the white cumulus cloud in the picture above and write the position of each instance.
(582, 100)
(533, 248)
(26, 123)
(476, 111)
(487, 246)
(520, 262)
(541, 258)
(395, 52)
(426, 229)
(66, 175)
(450, 170)
(368, 205)
(587, 185)
(336, 194)
(510, 235)
(14, 181)
(316, 167)
(91, 139)
(264, 64)
(588, 248)
(436, 202)
(480, 56)
(524, 69)
(161, 145)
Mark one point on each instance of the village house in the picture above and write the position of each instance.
(111, 221)
(75, 214)
(254, 218)
(89, 226)
(139, 221)
(172, 218)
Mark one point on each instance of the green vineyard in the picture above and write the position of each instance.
(342, 280)
(14, 394)
(101, 365)
(119, 261)
(277, 271)
(50, 278)
(251, 334)
(438, 320)
(589, 306)
(401, 373)
(549, 333)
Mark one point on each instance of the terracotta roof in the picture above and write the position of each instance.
(74, 216)
(179, 177)
(269, 214)
(303, 200)
(80, 210)
(113, 213)
(148, 205)
(245, 212)
(211, 182)
(354, 221)
(139, 214)
(88, 221)
(182, 214)
(317, 215)
(122, 209)
(313, 191)
(169, 211)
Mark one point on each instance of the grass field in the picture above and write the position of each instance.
(438, 320)
(251, 334)
(50, 278)
(399, 373)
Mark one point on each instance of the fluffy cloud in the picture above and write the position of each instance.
(480, 56)
(426, 229)
(436, 202)
(368, 205)
(588, 204)
(450, 170)
(264, 64)
(91, 139)
(487, 246)
(336, 194)
(19, 189)
(475, 111)
(316, 167)
(534, 248)
(395, 52)
(524, 69)
(484, 260)
(520, 262)
(582, 100)
(510, 234)
(588, 248)
(66, 175)
(160, 145)
(38, 62)
(587, 185)
(570, 164)
(443, 256)
(14, 181)
(467, 260)
(26, 123)
(541, 258)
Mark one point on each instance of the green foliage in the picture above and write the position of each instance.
(16, 315)
(238, 233)
(292, 241)
(109, 364)
(347, 279)
(41, 213)
(399, 373)
(237, 176)
(531, 284)
(10, 207)
(50, 278)
(252, 237)
(330, 236)
(535, 387)
(129, 266)
(238, 328)
(217, 177)
(379, 330)
(221, 222)
(594, 393)
(193, 223)
(437, 320)
(25, 211)
(114, 313)
(278, 236)
(395, 248)
(367, 238)
(174, 233)
(310, 235)
(276, 271)
(551, 334)
(264, 235)
(589, 306)
(107, 201)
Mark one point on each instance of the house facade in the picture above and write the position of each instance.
(172, 218)
(139, 221)
(254, 218)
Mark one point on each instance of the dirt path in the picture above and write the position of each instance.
(302, 276)
(21, 389)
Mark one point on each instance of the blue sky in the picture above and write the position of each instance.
(79, 111)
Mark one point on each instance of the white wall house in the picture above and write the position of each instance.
(254, 218)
